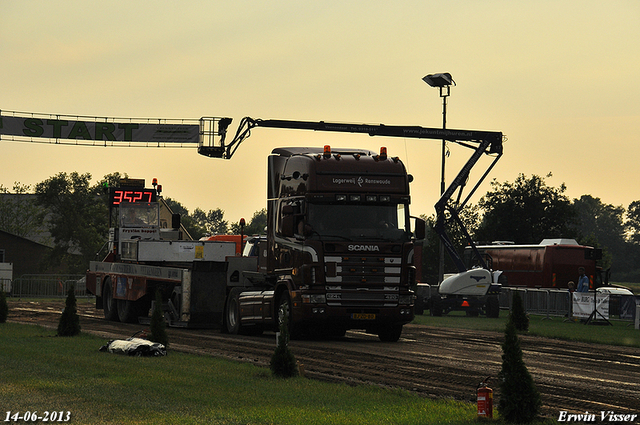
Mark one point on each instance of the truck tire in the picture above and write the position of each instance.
(232, 323)
(390, 333)
(144, 306)
(284, 310)
(492, 307)
(336, 331)
(128, 311)
(232, 312)
(436, 306)
(109, 304)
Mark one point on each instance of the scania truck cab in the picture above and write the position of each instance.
(339, 222)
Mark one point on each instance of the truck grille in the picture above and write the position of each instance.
(364, 281)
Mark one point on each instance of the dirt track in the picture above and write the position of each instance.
(433, 362)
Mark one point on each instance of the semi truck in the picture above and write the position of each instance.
(338, 254)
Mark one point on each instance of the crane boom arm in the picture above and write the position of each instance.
(416, 132)
(391, 131)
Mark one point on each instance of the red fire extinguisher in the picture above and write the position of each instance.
(485, 399)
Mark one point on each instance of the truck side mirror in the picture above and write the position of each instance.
(420, 229)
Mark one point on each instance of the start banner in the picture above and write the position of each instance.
(97, 130)
(583, 305)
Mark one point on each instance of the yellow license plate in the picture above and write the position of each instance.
(363, 316)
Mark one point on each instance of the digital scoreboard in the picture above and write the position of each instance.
(118, 195)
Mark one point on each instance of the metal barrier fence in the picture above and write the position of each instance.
(546, 302)
(549, 302)
(556, 302)
(48, 286)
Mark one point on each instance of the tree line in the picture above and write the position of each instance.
(200, 223)
(74, 213)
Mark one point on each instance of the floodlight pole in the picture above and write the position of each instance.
(444, 93)
(443, 81)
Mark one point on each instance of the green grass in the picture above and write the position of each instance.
(633, 286)
(618, 334)
(42, 372)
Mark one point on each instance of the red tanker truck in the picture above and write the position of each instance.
(552, 263)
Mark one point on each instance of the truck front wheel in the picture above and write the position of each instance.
(284, 311)
(109, 304)
(390, 333)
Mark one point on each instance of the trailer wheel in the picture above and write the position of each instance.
(128, 311)
(232, 312)
(492, 307)
(390, 333)
(144, 306)
(109, 304)
(436, 306)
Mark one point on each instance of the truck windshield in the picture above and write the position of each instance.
(357, 222)
(139, 214)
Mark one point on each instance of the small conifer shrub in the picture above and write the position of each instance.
(518, 316)
(283, 362)
(519, 398)
(4, 307)
(158, 325)
(69, 323)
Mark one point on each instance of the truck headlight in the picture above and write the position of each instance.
(314, 299)
(405, 299)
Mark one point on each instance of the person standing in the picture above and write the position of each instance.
(583, 281)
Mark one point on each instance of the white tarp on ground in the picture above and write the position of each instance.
(583, 305)
(135, 347)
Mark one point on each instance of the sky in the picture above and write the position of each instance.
(558, 77)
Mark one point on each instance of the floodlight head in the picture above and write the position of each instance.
(439, 80)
